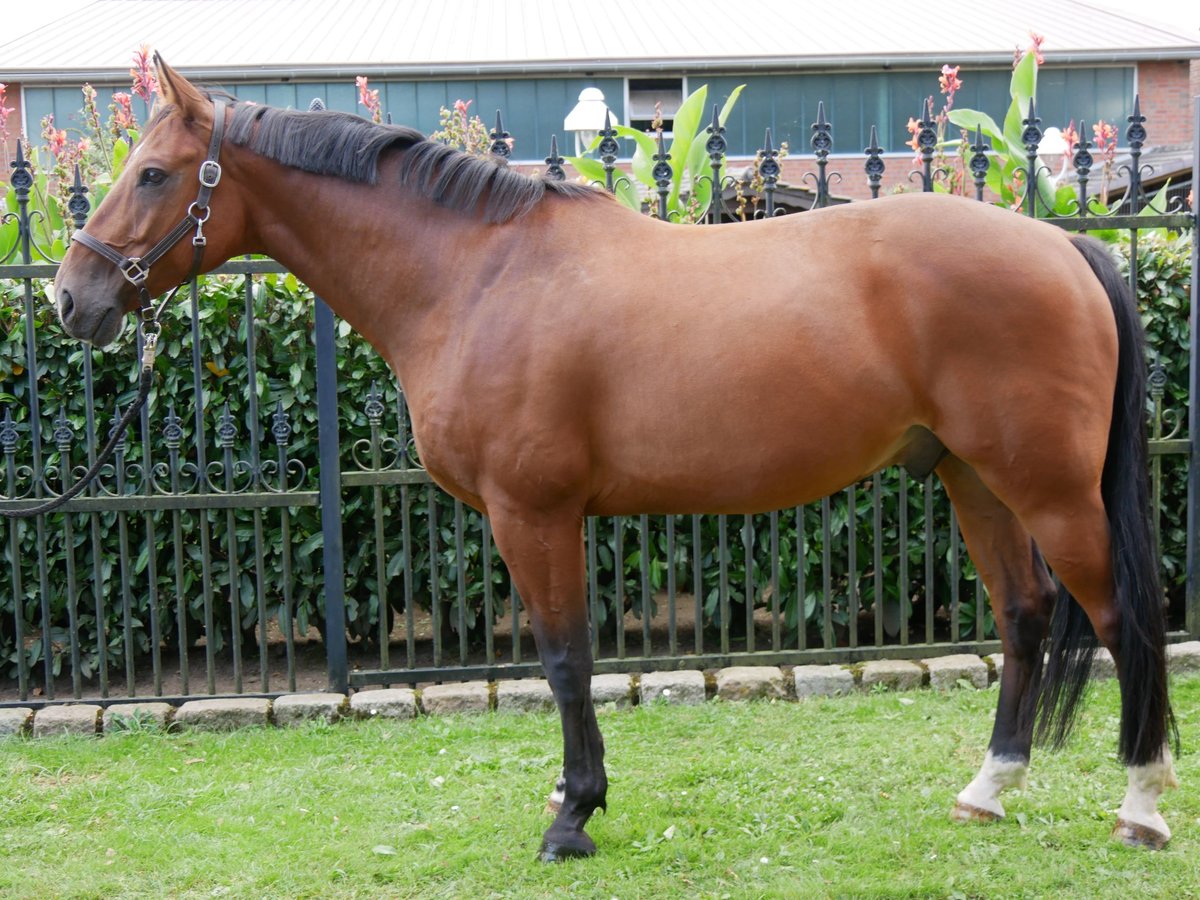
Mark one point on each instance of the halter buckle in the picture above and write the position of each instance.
(134, 273)
(210, 173)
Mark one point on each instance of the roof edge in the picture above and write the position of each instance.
(595, 67)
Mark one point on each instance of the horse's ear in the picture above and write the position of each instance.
(181, 93)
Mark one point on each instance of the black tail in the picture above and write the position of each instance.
(1146, 717)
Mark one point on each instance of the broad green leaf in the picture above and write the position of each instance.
(593, 171)
(1157, 206)
(684, 127)
(970, 118)
(643, 155)
(1023, 83)
(729, 103)
(120, 153)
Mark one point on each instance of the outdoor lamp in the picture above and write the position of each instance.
(1053, 144)
(587, 118)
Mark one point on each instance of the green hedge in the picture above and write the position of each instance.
(286, 376)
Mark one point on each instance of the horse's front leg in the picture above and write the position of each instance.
(544, 553)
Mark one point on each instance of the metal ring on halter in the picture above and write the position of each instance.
(195, 209)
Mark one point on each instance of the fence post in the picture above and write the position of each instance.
(1193, 511)
(331, 499)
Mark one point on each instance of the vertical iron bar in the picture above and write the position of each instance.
(460, 561)
(644, 556)
(1193, 489)
(485, 551)
(333, 561)
(672, 636)
(260, 576)
(152, 607)
(63, 436)
(435, 584)
(748, 592)
(801, 580)
(410, 637)
(877, 534)
(697, 586)
(822, 144)
(99, 593)
(769, 170)
(123, 545)
(200, 442)
(902, 537)
(826, 574)
(22, 181)
(226, 433)
(723, 598)
(173, 437)
(874, 166)
(930, 592)
(852, 553)
(955, 576)
(776, 629)
(1031, 136)
(619, 596)
(281, 429)
(8, 444)
(715, 148)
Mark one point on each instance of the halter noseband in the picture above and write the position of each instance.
(136, 269)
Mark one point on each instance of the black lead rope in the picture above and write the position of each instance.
(115, 437)
(136, 270)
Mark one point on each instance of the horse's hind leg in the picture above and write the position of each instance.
(1076, 538)
(544, 553)
(1022, 595)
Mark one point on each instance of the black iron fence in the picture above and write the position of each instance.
(268, 526)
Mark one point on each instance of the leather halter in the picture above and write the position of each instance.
(136, 269)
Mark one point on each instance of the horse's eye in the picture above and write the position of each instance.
(152, 176)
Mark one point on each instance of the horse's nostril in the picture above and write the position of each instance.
(66, 304)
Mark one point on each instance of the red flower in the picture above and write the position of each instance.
(1036, 47)
(949, 82)
(145, 83)
(1106, 139)
(122, 110)
(369, 99)
(1070, 137)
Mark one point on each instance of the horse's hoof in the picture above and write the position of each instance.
(965, 812)
(557, 850)
(1131, 834)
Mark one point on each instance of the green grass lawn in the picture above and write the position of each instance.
(842, 797)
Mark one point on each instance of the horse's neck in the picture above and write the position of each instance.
(394, 266)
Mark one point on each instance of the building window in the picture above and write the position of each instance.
(648, 95)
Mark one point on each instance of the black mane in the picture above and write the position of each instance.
(347, 146)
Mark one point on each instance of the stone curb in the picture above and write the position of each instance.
(297, 709)
(224, 715)
(78, 719)
(138, 716)
(686, 686)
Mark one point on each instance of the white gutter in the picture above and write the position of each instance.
(631, 66)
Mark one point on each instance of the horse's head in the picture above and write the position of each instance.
(159, 195)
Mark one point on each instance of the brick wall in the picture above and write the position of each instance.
(1166, 95)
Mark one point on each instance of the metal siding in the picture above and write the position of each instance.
(284, 95)
(342, 96)
(400, 99)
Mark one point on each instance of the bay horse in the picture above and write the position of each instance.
(565, 357)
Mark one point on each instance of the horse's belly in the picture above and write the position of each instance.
(762, 466)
